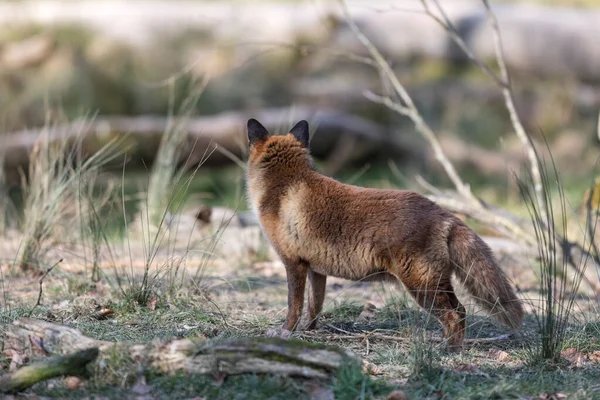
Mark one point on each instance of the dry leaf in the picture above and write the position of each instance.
(151, 305)
(371, 369)
(471, 369)
(16, 360)
(37, 345)
(104, 313)
(439, 394)
(576, 358)
(368, 312)
(499, 355)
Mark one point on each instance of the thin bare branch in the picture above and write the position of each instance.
(388, 102)
(598, 127)
(41, 282)
(512, 110)
(451, 30)
(411, 112)
(409, 109)
(484, 215)
(428, 186)
(503, 83)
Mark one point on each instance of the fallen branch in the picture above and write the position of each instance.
(41, 282)
(68, 365)
(225, 130)
(374, 335)
(194, 356)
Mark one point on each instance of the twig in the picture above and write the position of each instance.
(335, 328)
(365, 336)
(41, 281)
(592, 225)
(486, 216)
(451, 30)
(428, 186)
(72, 364)
(408, 109)
(598, 127)
(425, 130)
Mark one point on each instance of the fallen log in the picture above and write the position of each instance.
(69, 365)
(193, 356)
(142, 135)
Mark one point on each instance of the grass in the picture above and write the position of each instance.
(559, 278)
(57, 177)
(477, 373)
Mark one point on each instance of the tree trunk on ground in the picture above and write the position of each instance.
(193, 356)
(227, 130)
(70, 365)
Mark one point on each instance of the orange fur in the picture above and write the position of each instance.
(321, 227)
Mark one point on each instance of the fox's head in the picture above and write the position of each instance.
(290, 150)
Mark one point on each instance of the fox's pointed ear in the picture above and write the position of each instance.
(256, 131)
(300, 132)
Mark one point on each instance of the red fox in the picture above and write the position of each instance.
(321, 227)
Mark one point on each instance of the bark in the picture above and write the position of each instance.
(194, 356)
(227, 130)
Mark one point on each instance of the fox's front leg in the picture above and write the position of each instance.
(296, 279)
(316, 296)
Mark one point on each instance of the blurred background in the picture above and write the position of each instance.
(135, 69)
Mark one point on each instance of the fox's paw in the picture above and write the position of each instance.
(454, 348)
(310, 326)
(279, 332)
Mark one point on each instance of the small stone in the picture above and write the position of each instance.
(73, 382)
(397, 395)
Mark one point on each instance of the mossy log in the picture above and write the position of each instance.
(193, 356)
(69, 365)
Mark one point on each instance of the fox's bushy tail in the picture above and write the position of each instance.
(477, 269)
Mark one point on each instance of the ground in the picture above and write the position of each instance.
(400, 344)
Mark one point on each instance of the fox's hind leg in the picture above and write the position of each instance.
(437, 297)
(316, 297)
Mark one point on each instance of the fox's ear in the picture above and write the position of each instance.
(256, 131)
(300, 132)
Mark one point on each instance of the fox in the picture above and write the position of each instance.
(320, 227)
